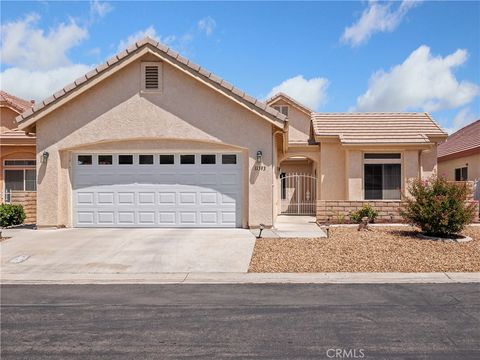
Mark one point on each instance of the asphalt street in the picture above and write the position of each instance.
(281, 321)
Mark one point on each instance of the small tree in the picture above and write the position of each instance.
(438, 207)
(11, 215)
(365, 211)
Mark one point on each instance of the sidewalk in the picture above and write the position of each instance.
(241, 278)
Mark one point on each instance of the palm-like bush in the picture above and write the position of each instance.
(438, 207)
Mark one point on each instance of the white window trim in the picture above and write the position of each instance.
(19, 166)
(160, 77)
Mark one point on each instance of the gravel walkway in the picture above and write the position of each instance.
(385, 249)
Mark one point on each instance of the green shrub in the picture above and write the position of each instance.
(365, 211)
(437, 206)
(11, 214)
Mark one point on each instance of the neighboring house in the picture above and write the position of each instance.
(17, 156)
(150, 139)
(459, 156)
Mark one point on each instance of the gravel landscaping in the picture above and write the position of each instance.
(384, 249)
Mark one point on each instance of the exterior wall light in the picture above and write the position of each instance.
(259, 156)
(45, 156)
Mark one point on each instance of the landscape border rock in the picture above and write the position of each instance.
(460, 239)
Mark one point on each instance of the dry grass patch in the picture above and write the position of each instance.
(385, 249)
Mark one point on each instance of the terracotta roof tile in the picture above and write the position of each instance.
(467, 138)
(377, 128)
(18, 103)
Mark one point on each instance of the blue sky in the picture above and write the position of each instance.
(333, 56)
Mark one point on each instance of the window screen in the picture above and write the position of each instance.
(382, 181)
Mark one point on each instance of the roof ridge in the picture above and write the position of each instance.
(168, 52)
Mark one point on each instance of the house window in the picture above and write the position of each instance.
(125, 159)
(167, 159)
(19, 180)
(84, 160)
(187, 159)
(208, 159)
(105, 159)
(20, 162)
(382, 176)
(145, 159)
(282, 108)
(229, 159)
(461, 174)
(152, 76)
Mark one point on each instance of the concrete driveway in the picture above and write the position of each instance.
(110, 251)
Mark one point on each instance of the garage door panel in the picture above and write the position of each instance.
(157, 195)
(106, 217)
(126, 198)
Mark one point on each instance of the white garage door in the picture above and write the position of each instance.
(157, 190)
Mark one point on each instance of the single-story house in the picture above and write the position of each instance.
(17, 157)
(150, 139)
(459, 156)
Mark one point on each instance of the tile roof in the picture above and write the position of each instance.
(17, 103)
(465, 139)
(377, 128)
(15, 134)
(171, 55)
(290, 100)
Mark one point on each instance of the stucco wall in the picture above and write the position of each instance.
(298, 123)
(7, 119)
(447, 167)
(116, 111)
(332, 171)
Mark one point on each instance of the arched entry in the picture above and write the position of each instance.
(298, 186)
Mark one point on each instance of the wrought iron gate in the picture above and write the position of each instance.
(298, 194)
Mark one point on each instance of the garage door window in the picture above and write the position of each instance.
(84, 160)
(105, 159)
(229, 159)
(167, 159)
(145, 159)
(208, 159)
(187, 159)
(125, 159)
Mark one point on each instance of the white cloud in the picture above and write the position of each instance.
(377, 17)
(464, 117)
(207, 25)
(99, 9)
(40, 84)
(139, 35)
(25, 45)
(422, 81)
(311, 93)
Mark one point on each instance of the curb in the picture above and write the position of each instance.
(241, 278)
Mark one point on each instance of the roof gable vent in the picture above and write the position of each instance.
(152, 76)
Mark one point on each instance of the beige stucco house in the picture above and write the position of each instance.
(17, 156)
(152, 139)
